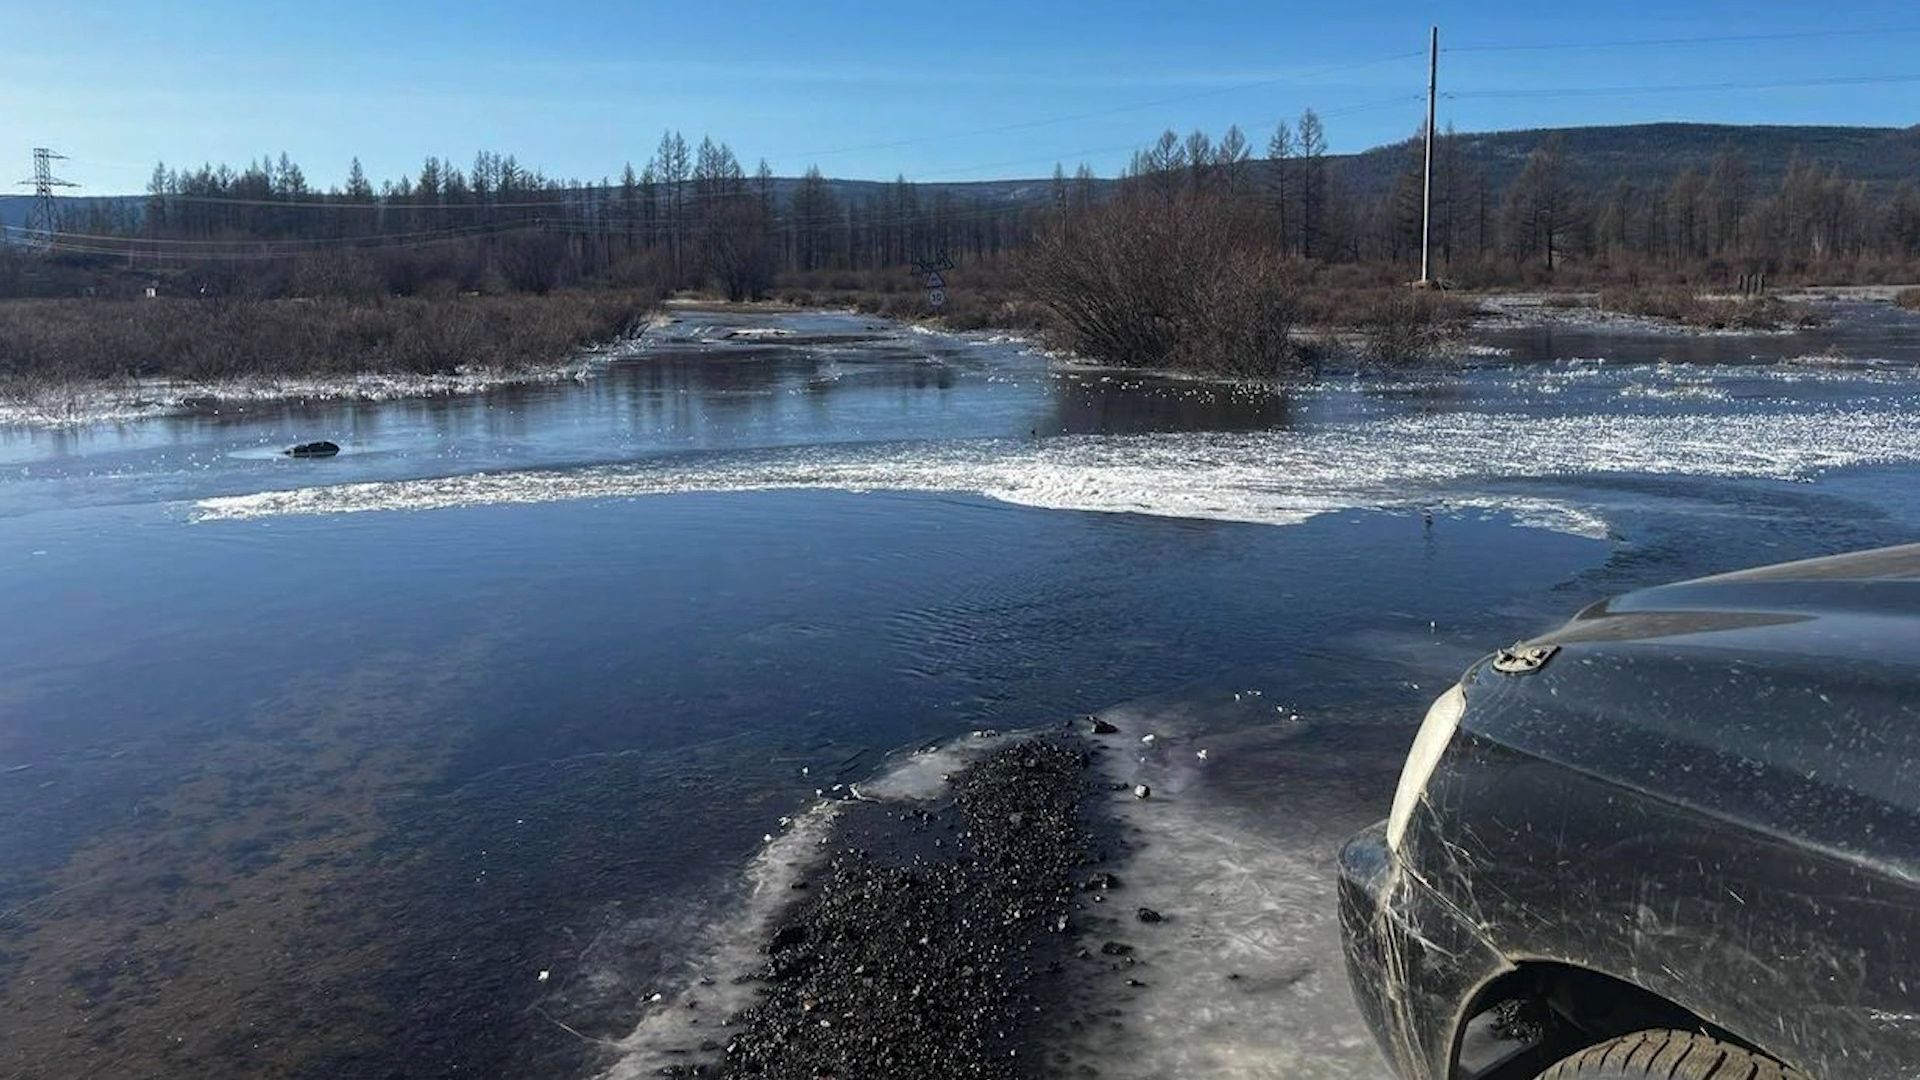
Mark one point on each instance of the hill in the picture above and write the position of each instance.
(1597, 156)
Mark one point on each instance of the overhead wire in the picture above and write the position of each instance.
(1657, 42)
(1022, 125)
(577, 204)
(1680, 88)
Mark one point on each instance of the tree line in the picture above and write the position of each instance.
(693, 215)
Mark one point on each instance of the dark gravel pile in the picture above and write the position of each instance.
(931, 958)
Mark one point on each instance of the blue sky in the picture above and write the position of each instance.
(934, 90)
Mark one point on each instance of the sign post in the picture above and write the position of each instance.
(932, 270)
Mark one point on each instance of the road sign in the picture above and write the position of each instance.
(932, 269)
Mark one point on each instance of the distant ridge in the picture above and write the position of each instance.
(1648, 153)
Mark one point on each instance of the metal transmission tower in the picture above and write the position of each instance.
(43, 221)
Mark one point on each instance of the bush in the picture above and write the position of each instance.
(1908, 298)
(1684, 306)
(1406, 327)
(1176, 282)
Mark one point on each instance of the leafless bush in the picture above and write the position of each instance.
(535, 262)
(1407, 327)
(1688, 308)
(336, 275)
(1908, 298)
(1180, 282)
(981, 293)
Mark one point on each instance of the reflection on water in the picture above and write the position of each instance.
(324, 794)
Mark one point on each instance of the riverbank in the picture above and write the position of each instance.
(75, 361)
(1341, 327)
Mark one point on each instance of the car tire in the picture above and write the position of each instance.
(1680, 1055)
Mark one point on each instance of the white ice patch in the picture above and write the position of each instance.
(672, 1025)
(923, 775)
(1271, 477)
(1245, 977)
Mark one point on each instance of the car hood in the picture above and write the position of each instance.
(1785, 699)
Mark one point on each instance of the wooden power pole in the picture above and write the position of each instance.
(1426, 191)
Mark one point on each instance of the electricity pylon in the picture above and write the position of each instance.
(43, 221)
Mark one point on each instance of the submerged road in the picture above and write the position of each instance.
(449, 753)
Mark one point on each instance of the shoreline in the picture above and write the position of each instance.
(111, 401)
(82, 403)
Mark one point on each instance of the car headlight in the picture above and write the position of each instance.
(1443, 718)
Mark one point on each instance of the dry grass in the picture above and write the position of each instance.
(1908, 298)
(1688, 308)
(55, 341)
(979, 296)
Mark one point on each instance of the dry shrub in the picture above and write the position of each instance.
(1149, 281)
(1684, 306)
(1407, 327)
(1908, 298)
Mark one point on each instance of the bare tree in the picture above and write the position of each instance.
(1539, 209)
(1230, 157)
(673, 167)
(1198, 150)
(1727, 197)
(1313, 179)
(1280, 178)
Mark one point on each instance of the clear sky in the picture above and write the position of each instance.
(935, 90)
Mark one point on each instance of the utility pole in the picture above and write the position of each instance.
(1426, 192)
(44, 220)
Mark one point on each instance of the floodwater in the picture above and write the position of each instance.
(445, 755)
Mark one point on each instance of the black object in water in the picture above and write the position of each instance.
(323, 448)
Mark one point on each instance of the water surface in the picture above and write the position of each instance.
(311, 768)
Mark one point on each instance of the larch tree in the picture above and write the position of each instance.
(1539, 209)
(1313, 179)
(1280, 179)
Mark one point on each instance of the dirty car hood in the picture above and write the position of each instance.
(1786, 699)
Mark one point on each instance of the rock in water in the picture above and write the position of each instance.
(1142, 791)
(1101, 727)
(322, 448)
(1147, 914)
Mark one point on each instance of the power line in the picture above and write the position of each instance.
(1684, 88)
(1711, 39)
(322, 241)
(1398, 99)
(263, 251)
(1023, 125)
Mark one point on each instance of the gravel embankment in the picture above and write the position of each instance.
(936, 940)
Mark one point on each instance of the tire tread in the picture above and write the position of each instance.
(1668, 1055)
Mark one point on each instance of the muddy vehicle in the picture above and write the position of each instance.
(1679, 836)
